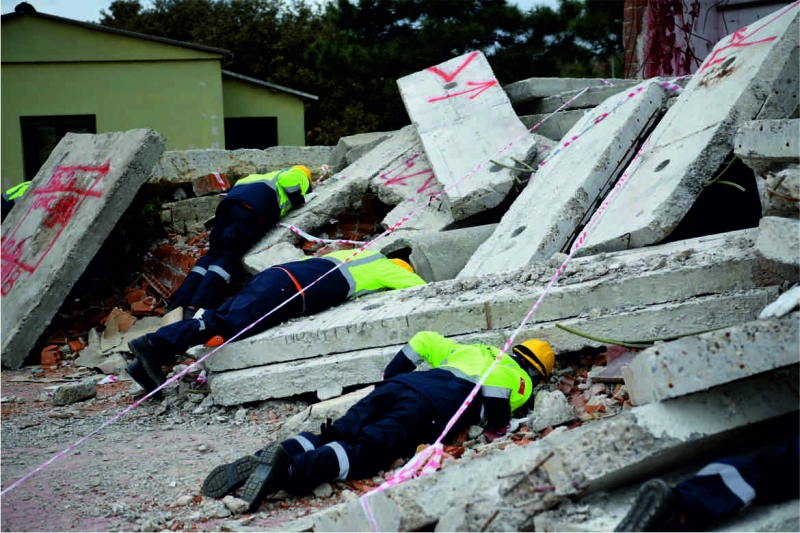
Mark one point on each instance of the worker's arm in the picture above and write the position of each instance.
(507, 388)
(397, 277)
(427, 345)
(294, 183)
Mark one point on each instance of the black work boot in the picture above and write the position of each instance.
(656, 508)
(229, 477)
(149, 362)
(270, 475)
(137, 372)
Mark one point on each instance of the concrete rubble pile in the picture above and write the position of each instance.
(489, 235)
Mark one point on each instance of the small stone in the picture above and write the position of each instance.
(348, 496)
(203, 448)
(72, 393)
(235, 505)
(323, 491)
(475, 432)
(184, 500)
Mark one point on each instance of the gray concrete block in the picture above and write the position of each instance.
(55, 229)
(183, 167)
(313, 416)
(696, 363)
(70, 393)
(178, 217)
(763, 143)
(780, 192)
(464, 119)
(556, 126)
(438, 256)
(338, 159)
(563, 194)
(646, 440)
(779, 240)
(277, 254)
(696, 135)
(595, 96)
(526, 90)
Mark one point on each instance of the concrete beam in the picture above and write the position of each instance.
(763, 143)
(564, 193)
(591, 98)
(464, 119)
(780, 192)
(778, 241)
(526, 90)
(703, 361)
(696, 135)
(58, 225)
(265, 380)
(626, 448)
(556, 126)
(360, 144)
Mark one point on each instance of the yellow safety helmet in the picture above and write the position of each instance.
(403, 264)
(536, 357)
(304, 169)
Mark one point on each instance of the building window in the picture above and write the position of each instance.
(41, 134)
(251, 132)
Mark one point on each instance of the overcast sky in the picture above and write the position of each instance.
(89, 10)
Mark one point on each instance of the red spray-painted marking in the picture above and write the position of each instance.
(739, 39)
(59, 199)
(450, 77)
(479, 87)
(398, 175)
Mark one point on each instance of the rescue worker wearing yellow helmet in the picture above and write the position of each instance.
(404, 410)
(9, 197)
(358, 275)
(253, 205)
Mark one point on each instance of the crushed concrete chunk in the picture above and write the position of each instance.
(72, 393)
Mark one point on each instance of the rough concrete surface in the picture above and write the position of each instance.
(696, 134)
(532, 88)
(53, 233)
(761, 143)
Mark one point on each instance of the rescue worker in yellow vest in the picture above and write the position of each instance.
(10, 197)
(253, 205)
(406, 409)
(364, 273)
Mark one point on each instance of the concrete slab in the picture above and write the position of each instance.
(360, 144)
(277, 254)
(56, 228)
(778, 240)
(526, 90)
(178, 217)
(626, 448)
(563, 194)
(314, 415)
(464, 119)
(556, 126)
(595, 96)
(779, 192)
(763, 143)
(696, 135)
(696, 363)
(362, 367)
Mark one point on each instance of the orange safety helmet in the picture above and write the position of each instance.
(535, 356)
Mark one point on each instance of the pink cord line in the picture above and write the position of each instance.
(175, 378)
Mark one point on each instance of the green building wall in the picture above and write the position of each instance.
(245, 99)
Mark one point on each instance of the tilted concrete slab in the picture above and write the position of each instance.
(526, 90)
(696, 135)
(55, 229)
(364, 142)
(627, 448)
(762, 143)
(465, 119)
(700, 362)
(591, 98)
(563, 193)
(361, 367)
(556, 126)
(778, 241)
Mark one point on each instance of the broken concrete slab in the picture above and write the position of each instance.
(315, 415)
(647, 440)
(786, 303)
(75, 392)
(564, 192)
(277, 254)
(764, 143)
(178, 168)
(438, 256)
(365, 366)
(779, 192)
(464, 119)
(556, 126)
(532, 88)
(56, 228)
(591, 98)
(696, 363)
(778, 240)
(358, 144)
(178, 217)
(696, 135)
(708, 265)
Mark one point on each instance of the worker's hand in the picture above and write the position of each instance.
(492, 434)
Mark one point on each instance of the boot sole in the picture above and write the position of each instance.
(149, 364)
(654, 498)
(271, 466)
(137, 372)
(229, 477)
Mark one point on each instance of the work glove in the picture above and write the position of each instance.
(327, 432)
(492, 434)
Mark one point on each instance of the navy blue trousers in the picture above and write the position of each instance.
(725, 487)
(386, 425)
(236, 229)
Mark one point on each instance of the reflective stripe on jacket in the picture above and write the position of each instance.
(371, 271)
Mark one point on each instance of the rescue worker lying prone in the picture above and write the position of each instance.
(406, 409)
(365, 273)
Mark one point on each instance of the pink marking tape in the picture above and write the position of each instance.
(306, 236)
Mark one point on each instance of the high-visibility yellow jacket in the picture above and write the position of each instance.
(371, 271)
(457, 368)
(289, 186)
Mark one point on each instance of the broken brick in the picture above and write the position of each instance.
(134, 295)
(76, 345)
(213, 183)
(51, 357)
(141, 308)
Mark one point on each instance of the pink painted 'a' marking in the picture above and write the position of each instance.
(479, 86)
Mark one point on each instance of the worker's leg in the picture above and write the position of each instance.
(730, 484)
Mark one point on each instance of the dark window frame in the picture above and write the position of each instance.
(251, 132)
(33, 156)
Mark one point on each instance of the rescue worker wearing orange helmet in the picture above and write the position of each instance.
(253, 205)
(404, 410)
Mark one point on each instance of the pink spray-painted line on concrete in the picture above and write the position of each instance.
(175, 378)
